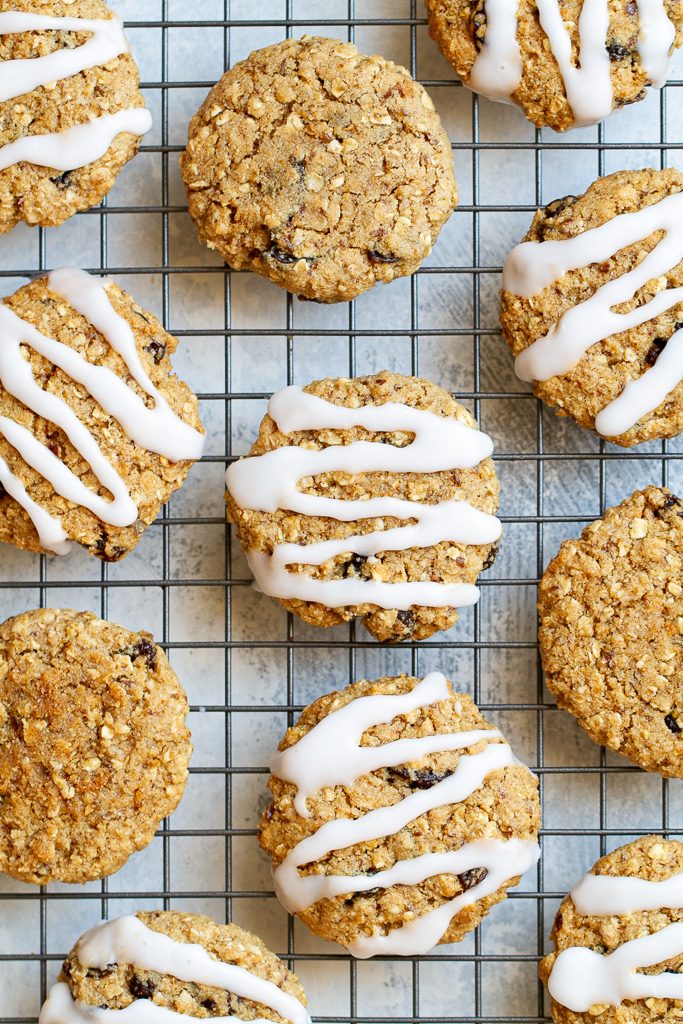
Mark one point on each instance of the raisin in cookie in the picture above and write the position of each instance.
(93, 745)
(618, 940)
(592, 306)
(71, 111)
(371, 497)
(611, 636)
(399, 816)
(321, 169)
(564, 65)
(96, 432)
(182, 964)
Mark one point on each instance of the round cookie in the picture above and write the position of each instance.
(593, 310)
(183, 964)
(71, 113)
(545, 59)
(399, 816)
(611, 634)
(372, 497)
(94, 749)
(96, 431)
(624, 909)
(321, 169)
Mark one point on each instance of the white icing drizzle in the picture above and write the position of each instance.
(588, 87)
(608, 895)
(310, 768)
(269, 482)
(54, 538)
(78, 146)
(645, 394)
(656, 38)
(503, 859)
(18, 77)
(533, 266)
(331, 755)
(581, 978)
(497, 71)
(610, 978)
(84, 143)
(158, 429)
(127, 940)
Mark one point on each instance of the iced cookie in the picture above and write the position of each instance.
(565, 65)
(321, 169)
(71, 111)
(165, 965)
(592, 306)
(371, 497)
(618, 940)
(399, 816)
(94, 749)
(96, 432)
(611, 635)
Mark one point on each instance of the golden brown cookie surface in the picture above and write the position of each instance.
(652, 859)
(610, 365)
(41, 194)
(499, 805)
(320, 169)
(123, 983)
(445, 562)
(611, 634)
(94, 748)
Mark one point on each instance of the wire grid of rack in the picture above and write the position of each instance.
(247, 666)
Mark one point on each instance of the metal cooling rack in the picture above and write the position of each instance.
(247, 666)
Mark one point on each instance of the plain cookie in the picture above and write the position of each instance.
(321, 169)
(94, 749)
(611, 634)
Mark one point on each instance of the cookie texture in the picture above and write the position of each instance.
(608, 366)
(653, 859)
(442, 562)
(120, 985)
(504, 806)
(611, 633)
(460, 28)
(150, 478)
(319, 168)
(94, 749)
(43, 195)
